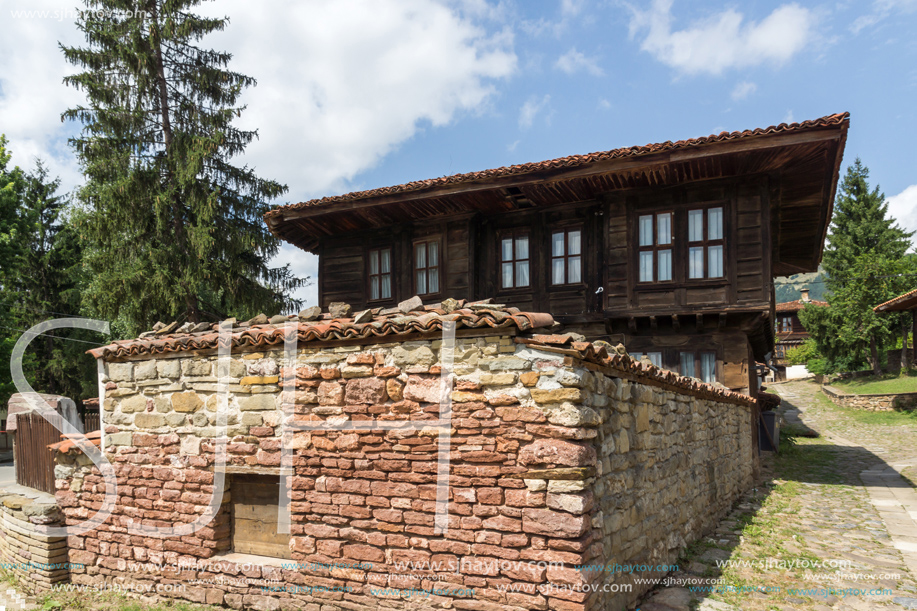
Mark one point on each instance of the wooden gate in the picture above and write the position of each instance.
(34, 461)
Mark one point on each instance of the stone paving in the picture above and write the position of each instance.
(831, 527)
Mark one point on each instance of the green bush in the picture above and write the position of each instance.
(807, 354)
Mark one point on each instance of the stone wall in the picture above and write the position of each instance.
(37, 560)
(876, 403)
(556, 462)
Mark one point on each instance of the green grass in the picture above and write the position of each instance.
(889, 383)
(865, 416)
(109, 601)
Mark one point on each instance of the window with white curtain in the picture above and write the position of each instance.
(705, 243)
(567, 256)
(514, 260)
(380, 273)
(655, 239)
(426, 267)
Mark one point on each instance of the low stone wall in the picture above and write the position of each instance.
(37, 560)
(555, 463)
(876, 403)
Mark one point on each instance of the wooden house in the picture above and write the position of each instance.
(670, 248)
(789, 330)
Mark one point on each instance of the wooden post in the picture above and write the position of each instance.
(914, 333)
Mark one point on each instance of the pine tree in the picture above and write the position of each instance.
(175, 229)
(12, 182)
(50, 286)
(866, 265)
(860, 226)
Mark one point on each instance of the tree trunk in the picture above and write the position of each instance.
(874, 353)
(192, 307)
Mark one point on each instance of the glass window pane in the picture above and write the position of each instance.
(574, 270)
(715, 261)
(708, 367)
(386, 286)
(557, 271)
(715, 224)
(507, 274)
(573, 242)
(696, 262)
(432, 254)
(655, 358)
(421, 280)
(522, 273)
(664, 228)
(374, 262)
(386, 261)
(665, 265)
(374, 287)
(687, 364)
(420, 255)
(557, 244)
(506, 249)
(646, 230)
(646, 266)
(522, 247)
(695, 225)
(433, 280)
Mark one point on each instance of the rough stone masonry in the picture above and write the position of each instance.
(561, 455)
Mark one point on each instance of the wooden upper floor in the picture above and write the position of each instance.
(638, 235)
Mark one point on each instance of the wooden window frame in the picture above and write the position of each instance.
(706, 242)
(438, 267)
(369, 275)
(655, 247)
(567, 256)
(785, 324)
(513, 234)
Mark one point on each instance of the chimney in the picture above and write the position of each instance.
(805, 295)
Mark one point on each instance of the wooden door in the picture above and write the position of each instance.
(254, 516)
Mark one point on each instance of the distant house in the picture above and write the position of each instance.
(789, 332)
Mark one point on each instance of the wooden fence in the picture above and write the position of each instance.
(34, 461)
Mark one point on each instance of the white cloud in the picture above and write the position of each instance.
(532, 107)
(743, 90)
(788, 117)
(904, 208)
(604, 104)
(569, 10)
(343, 83)
(723, 41)
(512, 147)
(32, 96)
(882, 9)
(573, 61)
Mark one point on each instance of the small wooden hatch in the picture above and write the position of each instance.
(255, 501)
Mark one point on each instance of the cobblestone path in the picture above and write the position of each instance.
(832, 527)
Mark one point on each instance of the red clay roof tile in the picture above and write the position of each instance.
(571, 161)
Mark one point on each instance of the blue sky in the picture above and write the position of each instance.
(358, 94)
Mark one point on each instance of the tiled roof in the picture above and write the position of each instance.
(599, 354)
(573, 161)
(389, 323)
(898, 303)
(795, 306)
(70, 441)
